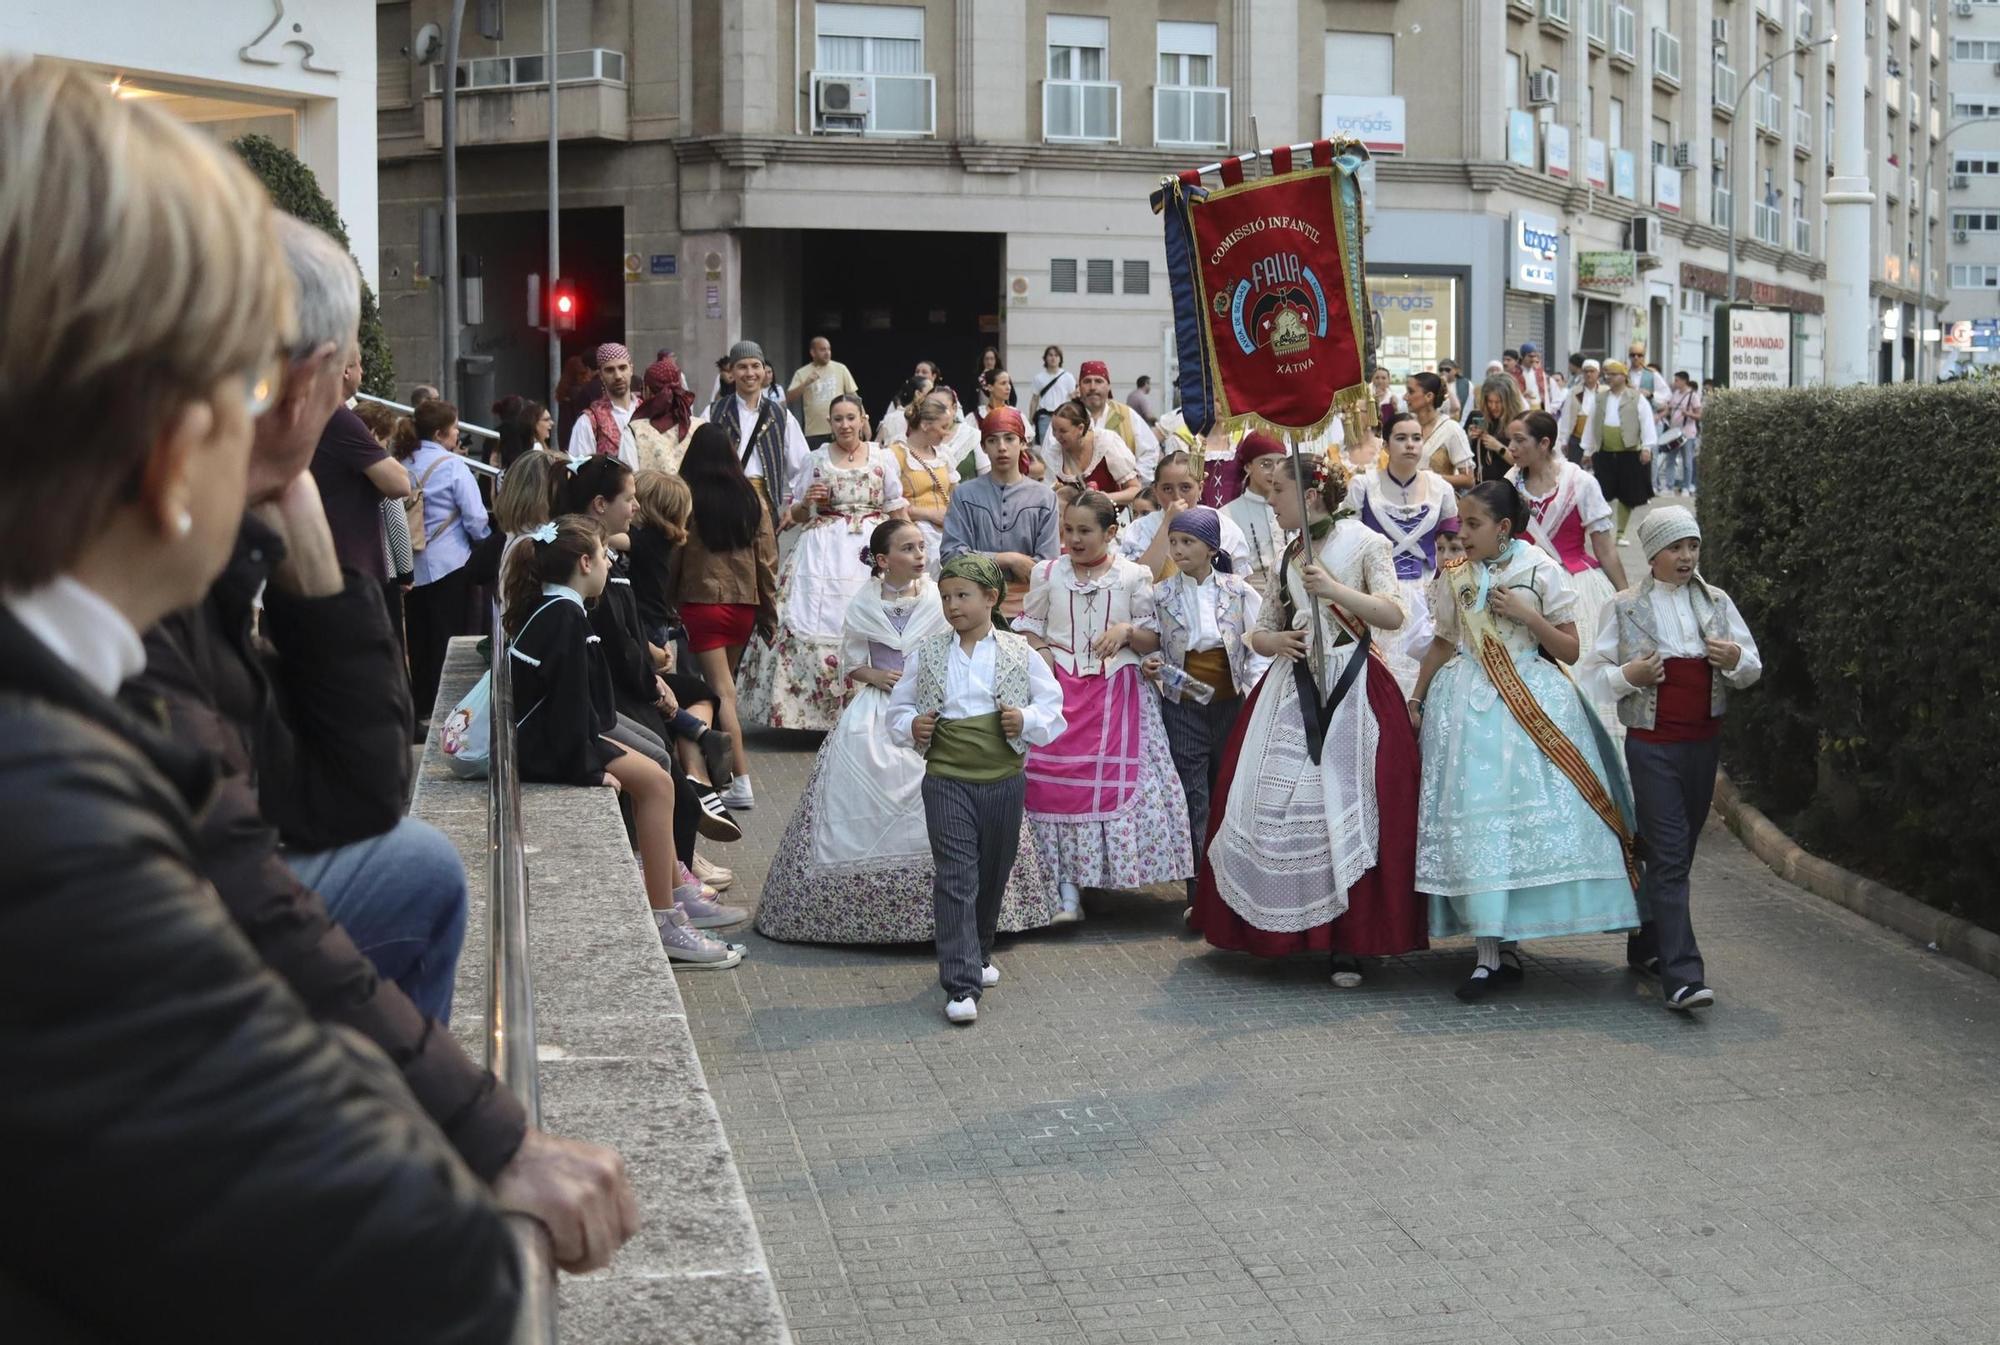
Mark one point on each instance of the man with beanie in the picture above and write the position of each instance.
(606, 424)
(765, 435)
(1668, 652)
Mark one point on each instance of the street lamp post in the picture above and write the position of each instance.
(448, 343)
(1924, 254)
(1799, 50)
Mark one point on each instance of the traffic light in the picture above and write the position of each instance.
(565, 305)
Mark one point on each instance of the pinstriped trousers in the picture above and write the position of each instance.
(975, 832)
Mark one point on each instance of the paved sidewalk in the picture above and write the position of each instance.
(1145, 1140)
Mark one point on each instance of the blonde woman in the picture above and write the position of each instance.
(1499, 405)
(929, 475)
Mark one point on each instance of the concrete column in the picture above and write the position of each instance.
(1851, 325)
(992, 70)
(1264, 73)
(758, 70)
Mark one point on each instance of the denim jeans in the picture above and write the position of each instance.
(401, 897)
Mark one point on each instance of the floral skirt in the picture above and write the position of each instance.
(793, 680)
(886, 900)
(1146, 842)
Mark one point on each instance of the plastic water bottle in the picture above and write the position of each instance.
(1176, 685)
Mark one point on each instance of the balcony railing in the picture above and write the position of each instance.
(1770, 113)
(1081, 109)
(1597, 23)
(1666, 57)
(1624, 35)
(1725, 88)
(1801, 132)
(1767, 224)
(1892, 94)
(1190, 115)
(591, 64)
(877, 105)
(1801, 236)
(1720, 206)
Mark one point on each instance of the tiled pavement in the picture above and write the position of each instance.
(1144, 1140)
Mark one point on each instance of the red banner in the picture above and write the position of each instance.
(1277, 284)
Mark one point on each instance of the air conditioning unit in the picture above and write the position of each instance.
(1644, 234)
(1718, 32)
(1683, 155)
(1963, 9)
(1960, 181)
(1958, 235)
(1544, 86)
(843, 97)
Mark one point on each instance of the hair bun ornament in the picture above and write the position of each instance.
(546, 533)
(868, 556)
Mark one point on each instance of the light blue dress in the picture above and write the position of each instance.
(1506, 845)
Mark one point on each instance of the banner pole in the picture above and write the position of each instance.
(1306, 555)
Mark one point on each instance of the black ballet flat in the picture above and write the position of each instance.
(1475, 988)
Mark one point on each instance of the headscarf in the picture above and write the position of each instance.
(611, 353)
(1664, 526)
(982, 570)
(1001, 419)
(1257, 444)
(1205, 525)
(1614, 367)
(668, 405)
(1097, 367)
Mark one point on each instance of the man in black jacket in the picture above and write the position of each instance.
(306, 712)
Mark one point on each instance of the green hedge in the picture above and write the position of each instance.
(296, 192)
(1859, 531)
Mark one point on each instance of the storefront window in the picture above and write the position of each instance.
(1419, 317)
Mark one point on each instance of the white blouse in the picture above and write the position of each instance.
(1069, 614)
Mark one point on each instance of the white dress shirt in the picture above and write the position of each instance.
(1137, 538)
(583, 436)
(968, 693)
(1207, 632)
(796, 450)
(1603, 676)
(1257, 523)
(1593, 430)
(89, 634)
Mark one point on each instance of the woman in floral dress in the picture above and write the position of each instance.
(855, 863)
(844, 490)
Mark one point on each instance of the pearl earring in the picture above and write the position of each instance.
(184, 523)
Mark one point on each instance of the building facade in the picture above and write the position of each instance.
(301, 72)
(1971, 172)
(921, 180)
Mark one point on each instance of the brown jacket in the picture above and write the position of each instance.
(747, 575)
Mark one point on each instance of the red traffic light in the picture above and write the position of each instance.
(565, 304)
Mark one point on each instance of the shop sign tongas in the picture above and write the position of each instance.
(1535, 250)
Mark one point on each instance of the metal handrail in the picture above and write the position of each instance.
(479, 431)
(510, 993)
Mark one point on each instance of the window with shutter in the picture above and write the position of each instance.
(1138, 276)
(1062, 275)
(1097, 276)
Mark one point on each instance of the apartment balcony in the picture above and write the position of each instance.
(1937, 46)
(1666, 59)
(1524, 8)
(1190, 116)
(1767, 225)
(1597, 23)
(1725, 90)
(1624, 36)
(873, 105)
(1802, 141)
(1892, 94)
(1933, 203)
(1770, 113)
(1802, 236)
(1937, 123)
(504, 100)
(1892, 10)
(1081, 111)
(1721, 206)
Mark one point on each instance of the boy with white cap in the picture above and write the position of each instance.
(1668, 652)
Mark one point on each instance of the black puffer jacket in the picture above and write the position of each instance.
(308, 725)
(172, 1119)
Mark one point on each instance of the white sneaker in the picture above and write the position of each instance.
(1071, 910)
(989, 976)
(703, 912)
(714, 875)
(962, 1010)
(738, 796)
(689, 946)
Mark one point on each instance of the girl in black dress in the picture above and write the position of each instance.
(564, 707)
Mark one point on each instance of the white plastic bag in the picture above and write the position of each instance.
(467, 735)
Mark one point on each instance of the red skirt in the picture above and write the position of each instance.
(1384, 914)
(718, 625)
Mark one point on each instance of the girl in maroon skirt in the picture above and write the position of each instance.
(1312, 838)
